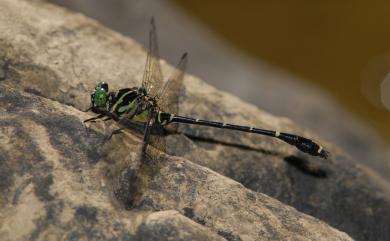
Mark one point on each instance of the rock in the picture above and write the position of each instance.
(58, 180)
(166, 225)
(51, 186)
(55, 165)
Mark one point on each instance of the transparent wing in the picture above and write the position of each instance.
(152, 80)
(168, 97)
(153, 135)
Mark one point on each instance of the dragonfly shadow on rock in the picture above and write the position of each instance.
(128, 170)
(299, 161)
(4, 69)
(231, 144)
(132, 182)
(306, 166)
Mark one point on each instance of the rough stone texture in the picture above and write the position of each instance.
(171, 225)
(58, 180)
(54, 165)
(52, 183)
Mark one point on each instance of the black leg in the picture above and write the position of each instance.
(94, 118)
(117, 131)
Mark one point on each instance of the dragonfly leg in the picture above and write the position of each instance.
(117, 131)
(94, 118)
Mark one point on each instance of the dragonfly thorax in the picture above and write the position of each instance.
(131, 103)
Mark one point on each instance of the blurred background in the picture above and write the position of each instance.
(323, 64)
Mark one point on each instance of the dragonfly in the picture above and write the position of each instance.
(154, 105)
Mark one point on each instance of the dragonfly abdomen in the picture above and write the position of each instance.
(301, 143)
(166, 118)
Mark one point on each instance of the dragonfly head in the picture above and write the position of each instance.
(99, 96)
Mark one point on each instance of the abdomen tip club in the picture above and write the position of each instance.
(304, 145)
(323, 153)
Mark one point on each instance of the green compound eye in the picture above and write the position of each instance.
(103, 85)
(100, 97)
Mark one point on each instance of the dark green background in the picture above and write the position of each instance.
(335, 44)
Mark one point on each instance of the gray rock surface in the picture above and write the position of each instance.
(58, 168)
(59, 180)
